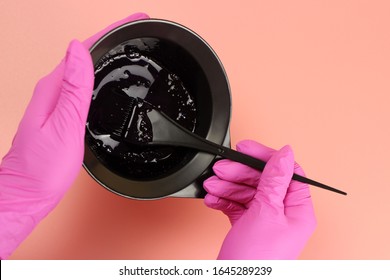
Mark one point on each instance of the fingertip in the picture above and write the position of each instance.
(211, 201)
(251, 144)
(281, 164)
(224, 205)
(221, 166)
(137, 16)
(289, 154)
(216, 203)
(76, 48)
(244, 144)
(209, 183)
(255, 149)
(286, 152)
(129, 18)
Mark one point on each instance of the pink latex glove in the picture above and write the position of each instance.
(47, 150)
(272, 216)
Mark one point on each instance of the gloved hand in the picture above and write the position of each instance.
(47, 150)
(272, 216)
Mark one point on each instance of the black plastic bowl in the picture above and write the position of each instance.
(186, 54)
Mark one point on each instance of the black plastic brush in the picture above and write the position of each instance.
(167, 132)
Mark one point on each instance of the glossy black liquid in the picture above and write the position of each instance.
(125, 73)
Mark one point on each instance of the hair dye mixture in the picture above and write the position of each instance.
(128, 72)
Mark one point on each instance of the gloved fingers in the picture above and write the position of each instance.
(239, 193)
(76, 88)
(276, 179)
(231, 209)
(90, 41)
(236, 172)
(240, 173)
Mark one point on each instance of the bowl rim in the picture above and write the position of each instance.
(220, 93)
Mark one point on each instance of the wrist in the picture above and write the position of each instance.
(20, 212)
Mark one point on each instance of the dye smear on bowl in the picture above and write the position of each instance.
(128, 71)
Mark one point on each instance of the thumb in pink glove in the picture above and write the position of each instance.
(47, 150)
(272, 216)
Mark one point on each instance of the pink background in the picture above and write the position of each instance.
(312, 74)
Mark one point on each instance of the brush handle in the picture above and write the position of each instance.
(259, 165)
(168, 132)
(231, 154)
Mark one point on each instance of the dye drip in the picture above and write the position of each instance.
(126, 73)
